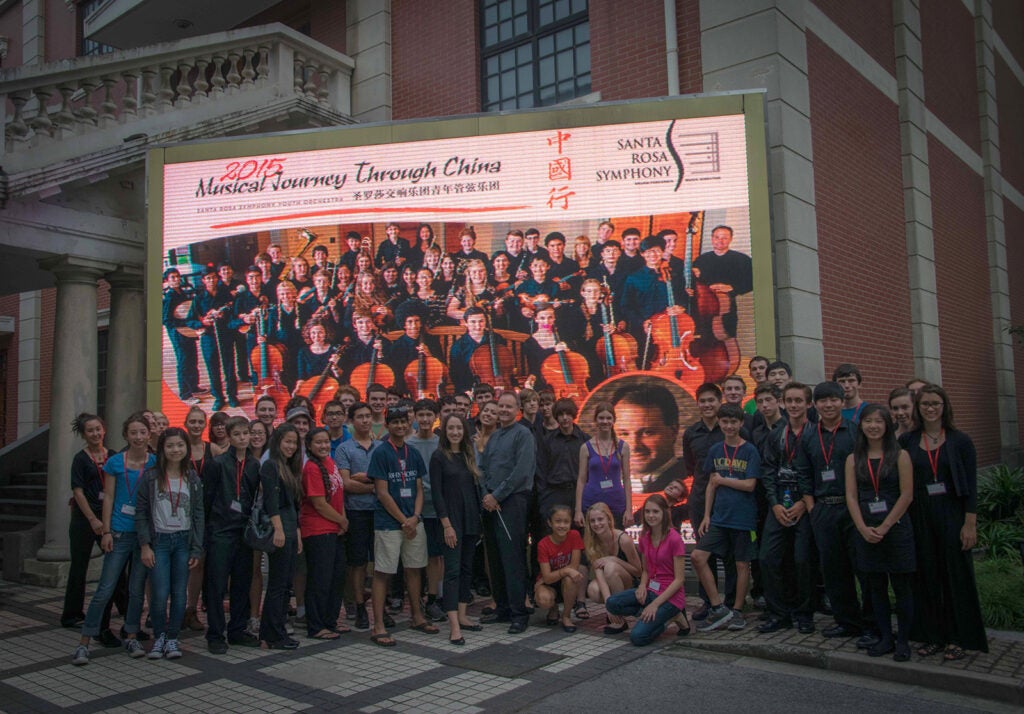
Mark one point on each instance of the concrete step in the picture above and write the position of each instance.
(30, 493)
(22, 507)
(11, 523)
(29, 478)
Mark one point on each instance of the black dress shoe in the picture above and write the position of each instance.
(774, 624)
(839, 631)
(244, 639)
(805, 627)
(517, 628)
(869, 640)
(73, 623)
(286, 644)
(494, 617)
(108, 639)
(217, 647)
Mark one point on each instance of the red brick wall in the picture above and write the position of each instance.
(965, 309)
(327, 23)
(1010, 98)
(868, 23)
(1014, 222)
(1008, 20)
(46, 325)
(434, 59)
(950, 77)
(865, 294)
(61, 31)
(9, 308)
(691, 73)
(627, 49)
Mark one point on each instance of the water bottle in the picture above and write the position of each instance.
(787, 499)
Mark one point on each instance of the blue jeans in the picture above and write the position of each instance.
(644, 633)
(169, 579)
(126, 548)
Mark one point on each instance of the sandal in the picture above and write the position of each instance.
(471, 627)
(426, 628)
(613, 630)
(459, 642)
(341, 629)
(580, 610)
(929, 650)
(553, 617)
(383, 639)
(324, 635)
(953, 653)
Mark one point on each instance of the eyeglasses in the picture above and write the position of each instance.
(931, 405)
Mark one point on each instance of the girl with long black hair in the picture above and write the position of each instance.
(879, 489)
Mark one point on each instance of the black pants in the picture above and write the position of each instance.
(228, 560)
(506, 552)
(458, 571)
(786, 569)
(82, 539)
(834, 533)
(279, 584)
(325, 580)
(901, 587)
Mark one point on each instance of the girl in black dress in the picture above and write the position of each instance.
(455, 489)
(879, 489)
(86, 525)
(945, 529)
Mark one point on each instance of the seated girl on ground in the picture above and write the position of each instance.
(559, 558)
(613, 558)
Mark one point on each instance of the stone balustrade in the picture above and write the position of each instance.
(133, 93)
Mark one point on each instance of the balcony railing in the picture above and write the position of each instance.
(90, 103)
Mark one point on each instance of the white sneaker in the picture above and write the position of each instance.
(134, 648)
(81, 655)
(253, 627)
(172, 650)
(157, 650)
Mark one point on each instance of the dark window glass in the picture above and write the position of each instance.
(533, 52)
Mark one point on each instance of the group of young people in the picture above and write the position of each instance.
(793, 489)
(332, 317)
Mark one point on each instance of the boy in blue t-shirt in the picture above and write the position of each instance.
(730, 518)
(397, 471)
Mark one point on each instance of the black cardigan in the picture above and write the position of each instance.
(455, 492)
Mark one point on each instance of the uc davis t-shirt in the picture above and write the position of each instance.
(559, 555)
(126, 488)
(733, 508)
(401, 467)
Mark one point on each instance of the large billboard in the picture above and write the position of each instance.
(599, 253)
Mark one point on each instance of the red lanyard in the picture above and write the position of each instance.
(875, 478)
(402, 460)
(934, 462)
(239, 470)
(790, 455)
(831, 447)
(731, 460)
(606, 461)
(131, 493)
(99, 468)
(199, 468)
(175, 502)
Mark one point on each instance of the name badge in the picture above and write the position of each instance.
(236, 506)
(101, 496)
(654, 585)
(128, 509)
(405, 493)
(174, 523)
(606, 484)
(937, 488)
(877, 507)
(828, 475)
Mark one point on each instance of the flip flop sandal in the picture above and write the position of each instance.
(426, 628)
(383, 639)
(325, 635)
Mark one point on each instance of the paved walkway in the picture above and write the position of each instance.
(493, 672)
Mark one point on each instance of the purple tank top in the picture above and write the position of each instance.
(604, 480)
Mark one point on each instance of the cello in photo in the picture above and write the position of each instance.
(425, 374)
(372, 372)
(672, 333)
(617, 350)
(492, 362)
(267, 361)
(566, 372)
(321, 390)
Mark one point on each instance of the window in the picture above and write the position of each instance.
(90, 47)
(534, 52)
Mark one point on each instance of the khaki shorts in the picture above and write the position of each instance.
(388, 546)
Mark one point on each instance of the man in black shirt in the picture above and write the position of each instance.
(631, 259)
(558, 460)
(786, 558)
(393, 250)
(725, 272)
(820, 466)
